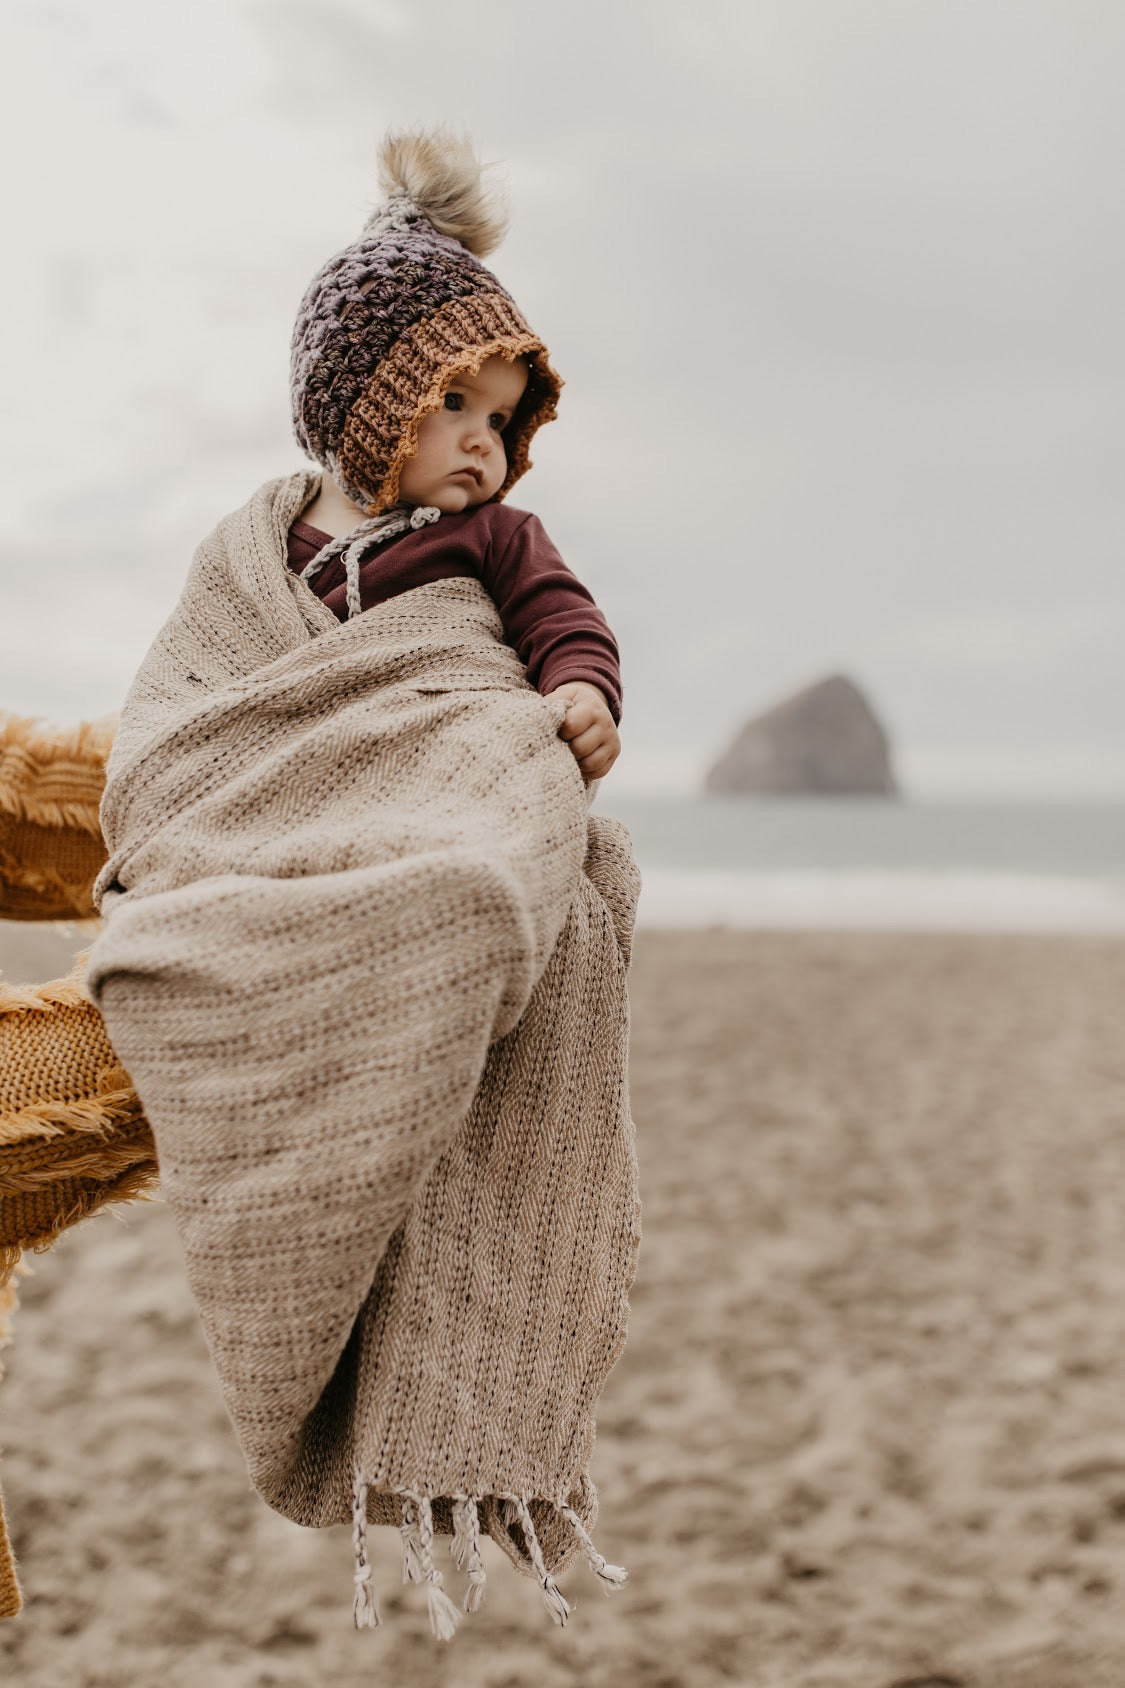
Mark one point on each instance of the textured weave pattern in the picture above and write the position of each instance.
(382, 329)
(50, 841)
(365, 961)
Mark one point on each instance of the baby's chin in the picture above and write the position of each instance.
(452, 500)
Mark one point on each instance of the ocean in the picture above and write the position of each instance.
(774, 862)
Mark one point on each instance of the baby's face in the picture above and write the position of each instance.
(461, 459)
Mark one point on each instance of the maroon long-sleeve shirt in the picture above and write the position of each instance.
(549, 618)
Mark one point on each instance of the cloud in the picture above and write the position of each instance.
(835, 290)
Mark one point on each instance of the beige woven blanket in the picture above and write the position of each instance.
(365, 962)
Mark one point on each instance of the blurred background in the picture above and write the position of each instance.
(835, 290)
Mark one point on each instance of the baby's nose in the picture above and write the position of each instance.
(477, 432)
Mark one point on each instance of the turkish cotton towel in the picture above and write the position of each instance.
(365, 962)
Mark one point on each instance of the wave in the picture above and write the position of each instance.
(895, 901)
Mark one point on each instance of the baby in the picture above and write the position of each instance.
(458, 399)
(365, 947)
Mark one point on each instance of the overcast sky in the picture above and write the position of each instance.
(835, 286)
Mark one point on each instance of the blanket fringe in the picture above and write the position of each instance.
(95, 1117)
(610, 1576)
(365, 1609)
(517, 1511)
(417, 1530)
(465, 1547)
(408, 1530)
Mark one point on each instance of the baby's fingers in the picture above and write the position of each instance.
(585, 744)
(596, 750)
(579, 718)
(598, 764)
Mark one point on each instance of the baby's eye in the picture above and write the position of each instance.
(498, 421)
(453, 401)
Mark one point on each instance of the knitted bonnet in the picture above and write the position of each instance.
(387, 323)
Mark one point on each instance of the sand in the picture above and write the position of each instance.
(869, 1427)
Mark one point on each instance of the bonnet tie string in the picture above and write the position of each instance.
(354, 546)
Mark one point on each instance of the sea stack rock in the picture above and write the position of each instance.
(825, 739)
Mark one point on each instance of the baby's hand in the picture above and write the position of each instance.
(589, 728)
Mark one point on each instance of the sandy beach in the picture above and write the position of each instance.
(869, 1427)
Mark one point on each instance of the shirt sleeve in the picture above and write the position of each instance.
(549, 617)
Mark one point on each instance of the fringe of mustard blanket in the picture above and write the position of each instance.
(73, 1137)
(51, 845)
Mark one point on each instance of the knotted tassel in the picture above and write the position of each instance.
(465, 1546)
(408, 1530)
(610, 1576)
(422, 515)
(365, 1609)
(553, 1597)
(418, 1565)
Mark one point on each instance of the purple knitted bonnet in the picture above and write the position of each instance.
(389, 321)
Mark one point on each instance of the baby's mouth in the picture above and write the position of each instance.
(473, 474)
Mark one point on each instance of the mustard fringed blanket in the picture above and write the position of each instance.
(365, 963)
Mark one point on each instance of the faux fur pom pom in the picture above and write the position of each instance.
(441, 173)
